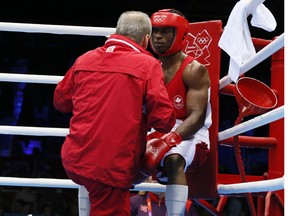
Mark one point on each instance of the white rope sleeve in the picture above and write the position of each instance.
(258, 121)
(30, 78)
(33, 131)
(246, 187)
(62, 132)
(256, 186)
(56, 29)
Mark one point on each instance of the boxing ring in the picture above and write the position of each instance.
(224, 190)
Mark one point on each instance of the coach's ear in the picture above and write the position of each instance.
(145, 41)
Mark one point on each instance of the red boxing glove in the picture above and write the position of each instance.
(155, 150)
(154, 134)
(172, 139)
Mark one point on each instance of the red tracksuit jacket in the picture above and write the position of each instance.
(116, 93)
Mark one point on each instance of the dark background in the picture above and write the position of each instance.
(48, 54)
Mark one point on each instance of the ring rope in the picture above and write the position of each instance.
(260, 56)
(56, 29)
(78, 30)
(30, 78)
(256, 186)
(267, 51)
(258, 121)
(33, 131)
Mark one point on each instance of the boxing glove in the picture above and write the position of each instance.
(154, 134)
(172, 139)
(155, 150)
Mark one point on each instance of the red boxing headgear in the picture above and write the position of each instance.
(165, 18)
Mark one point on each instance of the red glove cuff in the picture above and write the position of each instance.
(154, 134)
(172, 139)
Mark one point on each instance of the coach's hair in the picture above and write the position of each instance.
(134, 25)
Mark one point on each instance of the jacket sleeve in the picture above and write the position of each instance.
(63, 93)
(159, 108)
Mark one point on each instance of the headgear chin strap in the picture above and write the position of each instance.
(164, 18)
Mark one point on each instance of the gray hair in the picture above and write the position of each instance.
(134, 25)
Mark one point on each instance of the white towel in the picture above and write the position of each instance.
(236, 39)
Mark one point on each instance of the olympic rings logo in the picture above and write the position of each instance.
(202, 40)
(159, 19)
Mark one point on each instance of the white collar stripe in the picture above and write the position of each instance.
(121, 41)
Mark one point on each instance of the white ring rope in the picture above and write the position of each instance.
(78, 30)
(56, 29)
(66, 183)
(30, 78)
(256, 186)
(258, 121)
(37, 182)
(267, 51)
(33, 131)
